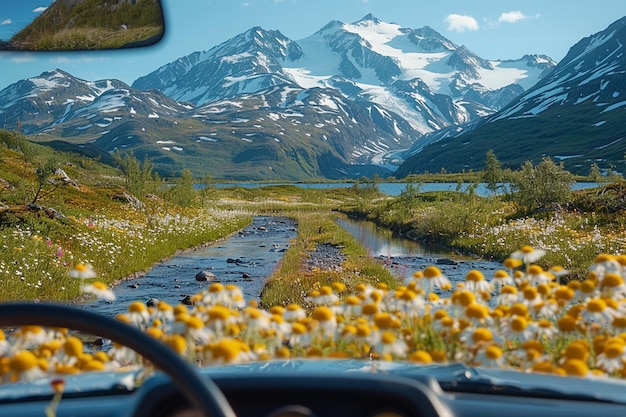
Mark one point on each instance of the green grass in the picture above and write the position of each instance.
(291, 283)
(119, 240)
(86, 224)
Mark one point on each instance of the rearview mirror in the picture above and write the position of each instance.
(76, 25)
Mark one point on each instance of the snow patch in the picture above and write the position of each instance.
(614, 106)
(562, 158)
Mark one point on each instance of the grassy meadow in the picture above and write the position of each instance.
(59, 209)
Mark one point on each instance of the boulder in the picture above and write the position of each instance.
(205, 276)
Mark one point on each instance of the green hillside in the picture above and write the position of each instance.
(570, 135)
(92, 24)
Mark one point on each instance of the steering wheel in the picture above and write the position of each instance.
(202, 393)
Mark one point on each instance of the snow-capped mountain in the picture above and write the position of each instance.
(57, 100)
(284, 132)
(342, 102)
(246, 64)
(416, 73)
(575, 114)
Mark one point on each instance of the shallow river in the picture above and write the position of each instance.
(248, 257)
(405, 256)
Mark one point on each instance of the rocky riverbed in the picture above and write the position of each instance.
(246, 258)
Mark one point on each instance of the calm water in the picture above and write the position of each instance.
(389, 188)
(405, 256)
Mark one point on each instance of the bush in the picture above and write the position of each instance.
(540, 186)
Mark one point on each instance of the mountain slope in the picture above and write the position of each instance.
(298, 134)
(417, 74)
(342, 103)
(248, 63)
(575, 115)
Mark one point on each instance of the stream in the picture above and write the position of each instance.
(405, 256)
(245, 258)
(248, 257)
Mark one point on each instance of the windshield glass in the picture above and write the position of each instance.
(424, 191)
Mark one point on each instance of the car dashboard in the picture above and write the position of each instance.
(339, 388)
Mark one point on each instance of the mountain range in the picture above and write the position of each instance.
(345, 102)
(574, 115)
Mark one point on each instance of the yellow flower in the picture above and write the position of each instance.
(477, 312)
(528, 254)
(177, 343)
(519, 328)
(576, 367)
(322, 314)
(481, 335)
(612, 357)
(228, 350)
(421, 356)
(475, 281)
(24, 365)
(99, 289)
(513, 263)
(23, 361)
(82, 271)
(435, 279)
(73, 346)
(294, 312)
(490, 356)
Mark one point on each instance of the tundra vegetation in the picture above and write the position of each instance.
(62, 209)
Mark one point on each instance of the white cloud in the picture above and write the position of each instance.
(23, 58)
(461, 23)
(39, 9)
(512, 17)
(6, 22)
(60, 60)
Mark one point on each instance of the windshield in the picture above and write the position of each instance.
(421, 191)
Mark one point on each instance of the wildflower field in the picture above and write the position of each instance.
(492, 228)
(35, 265)
(520, 318)
(80, 239)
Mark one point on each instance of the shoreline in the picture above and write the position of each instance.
(138, 274)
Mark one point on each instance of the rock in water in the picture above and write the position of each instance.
(205, 276)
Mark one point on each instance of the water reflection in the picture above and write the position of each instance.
(404, 256)
(382, 242)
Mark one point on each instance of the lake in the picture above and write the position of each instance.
(389, 188)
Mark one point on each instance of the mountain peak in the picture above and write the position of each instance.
(369, 19)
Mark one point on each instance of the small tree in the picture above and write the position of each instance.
(595, 175)
(183, 193)
(138, 176)
(542, 185)
(44, 185)
(492, 175)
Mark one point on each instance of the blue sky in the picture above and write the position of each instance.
(14, 15)
(500, 29)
